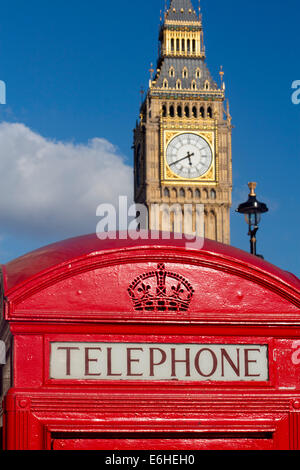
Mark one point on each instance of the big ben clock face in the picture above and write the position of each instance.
(189, 156)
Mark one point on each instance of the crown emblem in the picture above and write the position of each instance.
(161, 291)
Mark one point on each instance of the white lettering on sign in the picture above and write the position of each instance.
(137, 361)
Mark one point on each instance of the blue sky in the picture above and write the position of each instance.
(73, 73)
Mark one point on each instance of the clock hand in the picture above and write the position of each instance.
(189, 155)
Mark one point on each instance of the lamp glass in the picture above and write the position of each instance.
(253, 218)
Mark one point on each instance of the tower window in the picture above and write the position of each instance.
(172, 45)
(166, 192)
(179, 111)
(202, 112)
(197, 193)
(177, 45)
(172, 111)
(213, 194)
(174, 193)
(188, 46)
(187, 111)
(182, 192)
(172, 72)
(209, 112)
(165, 83)
(178, 85)
(185, 73)
(198, 73)
(194, 111)
(194, 45)
(194, 86)
(164, 110)
(206, 85)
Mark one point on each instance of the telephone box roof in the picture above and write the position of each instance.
(45, 259)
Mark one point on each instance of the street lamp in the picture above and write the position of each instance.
(252, 209)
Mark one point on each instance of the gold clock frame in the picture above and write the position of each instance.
(172, 128)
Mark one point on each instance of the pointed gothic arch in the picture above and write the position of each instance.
(173, 193)
(172, 72)
(213, 194)
(205, 193)
(185, 72)
(189, 194)
(166, 192)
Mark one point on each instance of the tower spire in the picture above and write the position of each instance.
(181, 10)
(199, 9)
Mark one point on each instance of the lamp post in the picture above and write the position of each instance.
(252, 210)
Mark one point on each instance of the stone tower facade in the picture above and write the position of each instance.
(182, 140)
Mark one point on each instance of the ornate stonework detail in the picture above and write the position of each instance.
(209, 175)
(170, 175)
(169, 136)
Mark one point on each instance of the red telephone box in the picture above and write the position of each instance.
(127, 344)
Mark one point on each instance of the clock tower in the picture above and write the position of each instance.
(182, 140)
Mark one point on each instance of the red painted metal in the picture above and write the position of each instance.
(77, 291)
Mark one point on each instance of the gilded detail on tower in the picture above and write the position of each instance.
(182, 141)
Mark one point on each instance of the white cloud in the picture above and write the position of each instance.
(54, 188)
